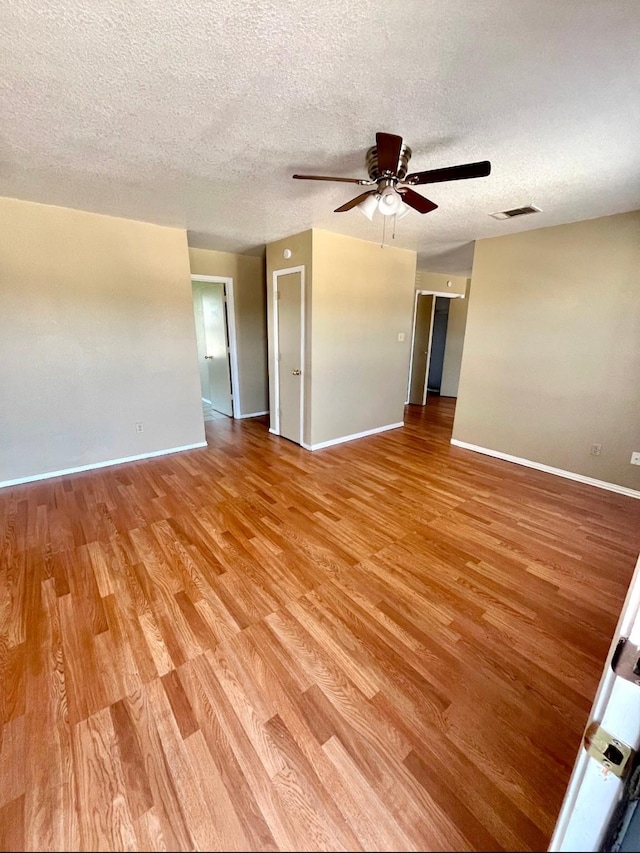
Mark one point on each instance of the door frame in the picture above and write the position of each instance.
(276, 346)
(230, 322)
(434, 293)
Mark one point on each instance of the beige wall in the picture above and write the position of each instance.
(453, 347)
(362, 297)
(300, 247)
(437, 282)
(249, 294)
(96, 334)
(551, 359)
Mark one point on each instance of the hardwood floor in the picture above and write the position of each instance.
(391, 644)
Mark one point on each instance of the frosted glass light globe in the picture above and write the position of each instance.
(390, 202)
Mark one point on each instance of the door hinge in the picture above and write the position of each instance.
(626, 661)
(612, 753)
(277, 294)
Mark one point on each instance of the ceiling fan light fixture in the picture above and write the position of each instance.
(390, 202)
(387, 164)
(369, 206)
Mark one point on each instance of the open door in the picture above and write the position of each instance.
(597, 812)
(421, 344)
(429, 344)
(215, 337)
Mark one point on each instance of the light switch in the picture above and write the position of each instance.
(400, 336)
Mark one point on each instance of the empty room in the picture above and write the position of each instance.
(319, 425)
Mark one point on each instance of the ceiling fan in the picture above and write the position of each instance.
(387, 164)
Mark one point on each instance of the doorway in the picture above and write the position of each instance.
(430, 347)
(288, 315)
(438, 340)
(215, 337)
(420, 348)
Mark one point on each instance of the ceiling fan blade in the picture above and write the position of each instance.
(417, 202)
(325, 178)
(354, 201)
(388, 147)
(451, 173)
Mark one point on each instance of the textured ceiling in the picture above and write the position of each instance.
(196, 113)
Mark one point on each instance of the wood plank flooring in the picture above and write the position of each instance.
(391, 644)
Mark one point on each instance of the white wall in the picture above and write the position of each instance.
(96, 334)
(440, 283)
(358, 297)
(551, 361)
(361, 299)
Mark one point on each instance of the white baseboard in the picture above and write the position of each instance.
(252, 415)
(355, 435)
(273, 432)
(20, 480)
(559, 472)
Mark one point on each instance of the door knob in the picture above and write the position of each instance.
(295, 372)
(208, 356)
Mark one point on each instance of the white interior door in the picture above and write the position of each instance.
(214, 314)
(422, 330)
(594, 790)
(203, 365)
(289, 301)
(215, 347)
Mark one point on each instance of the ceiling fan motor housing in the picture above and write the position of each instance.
(401, 170)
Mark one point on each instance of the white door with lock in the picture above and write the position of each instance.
(594, 802)
(288, 293)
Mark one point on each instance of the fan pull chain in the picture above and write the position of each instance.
(384, 229)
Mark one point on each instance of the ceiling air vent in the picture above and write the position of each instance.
(516, 211)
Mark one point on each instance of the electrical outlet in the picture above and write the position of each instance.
(139, 427)
(595, 449)
(400, 337)
(635, 458)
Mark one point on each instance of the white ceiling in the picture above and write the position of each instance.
(196, 113)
